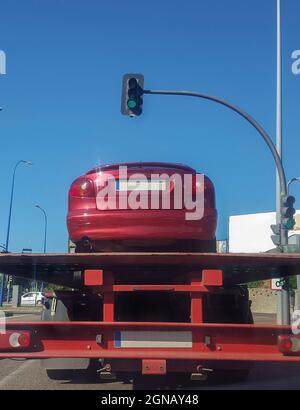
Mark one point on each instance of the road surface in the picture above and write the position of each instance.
(28, 374)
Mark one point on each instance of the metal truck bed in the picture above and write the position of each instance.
(137, 344)
(237, 268)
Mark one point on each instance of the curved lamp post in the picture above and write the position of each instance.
(297, 179)
(22, 161)
(285, 310)
(46, 223)
(11, 199)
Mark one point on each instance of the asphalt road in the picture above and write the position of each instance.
(29, 374)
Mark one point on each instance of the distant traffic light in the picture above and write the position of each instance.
(132, 94)
(287, 212)
(276, 237)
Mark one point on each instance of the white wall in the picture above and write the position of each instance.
(252, 233)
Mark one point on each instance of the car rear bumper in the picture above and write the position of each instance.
(150, 224)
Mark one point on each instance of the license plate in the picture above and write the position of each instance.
(140, 185)
(153, 339)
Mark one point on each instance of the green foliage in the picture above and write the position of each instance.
(53, 288)
(257, 284)
(293, 282)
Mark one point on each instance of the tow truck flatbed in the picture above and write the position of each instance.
(237, 268)
(134, 343)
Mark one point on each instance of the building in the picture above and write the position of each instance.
(252, 232)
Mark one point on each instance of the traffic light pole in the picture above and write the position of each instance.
(285, 308)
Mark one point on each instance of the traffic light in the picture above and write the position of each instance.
(288, 212)
(276, 237)
(132, 94)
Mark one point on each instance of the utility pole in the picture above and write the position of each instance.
(283, 300)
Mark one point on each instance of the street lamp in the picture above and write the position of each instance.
(46, 222)
(11, 199)
(9, 219)
(297, 179)
(45, 234)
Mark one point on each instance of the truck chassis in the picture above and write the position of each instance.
(195, 344)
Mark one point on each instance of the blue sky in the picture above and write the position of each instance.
(61, 99)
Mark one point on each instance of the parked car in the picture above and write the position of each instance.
(32, 298)
(93, 228)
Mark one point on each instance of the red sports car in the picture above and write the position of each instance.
(142, 206)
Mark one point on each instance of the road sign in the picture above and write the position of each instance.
(276, 284)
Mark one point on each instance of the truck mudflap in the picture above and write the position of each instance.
(196, 342)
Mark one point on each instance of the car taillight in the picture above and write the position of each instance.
(197, 186)
(204, 185)
(289, 344)
(82, 188)
(14, 340)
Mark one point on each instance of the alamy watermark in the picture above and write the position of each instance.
(296, 63)
(157, 191)
(2, 62)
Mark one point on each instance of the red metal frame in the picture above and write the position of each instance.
(213, 345)
(93, 277)
(227, 342)
(211, 342)
(154, 366)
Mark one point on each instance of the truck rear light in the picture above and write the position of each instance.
(289, 344)
(14, 340)
(82, 188)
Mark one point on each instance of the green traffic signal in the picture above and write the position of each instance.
(289, 223)
(132, 94)
(131, 104)
(287, 212)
